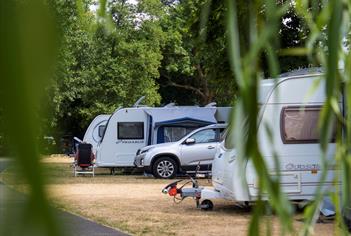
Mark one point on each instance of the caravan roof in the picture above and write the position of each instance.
(267, 85)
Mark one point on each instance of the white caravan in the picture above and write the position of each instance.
(130, 129)
(96, 130)
(290, 107)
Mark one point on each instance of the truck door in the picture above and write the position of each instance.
(203, 149)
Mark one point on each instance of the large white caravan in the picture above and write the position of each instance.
(96, 130)
(130, 129)
(290, 107)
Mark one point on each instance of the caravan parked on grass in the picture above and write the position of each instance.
(290, 106)
(130, 129)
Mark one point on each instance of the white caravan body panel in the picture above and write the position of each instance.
(94, 132)
(299, 162)
(113, 151)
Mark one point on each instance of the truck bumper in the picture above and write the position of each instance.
(139, 160)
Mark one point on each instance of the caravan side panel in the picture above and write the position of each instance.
(300, 159)
(126, 132)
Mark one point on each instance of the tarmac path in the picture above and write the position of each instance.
(71, 224)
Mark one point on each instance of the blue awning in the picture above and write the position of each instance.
(186, 121)
(164, 115)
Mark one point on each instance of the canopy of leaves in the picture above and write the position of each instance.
(100, 70)
(168, 51)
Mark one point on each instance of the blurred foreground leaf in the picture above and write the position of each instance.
(27, 52)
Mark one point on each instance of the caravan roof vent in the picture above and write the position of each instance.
(211, 104)
(136, 104)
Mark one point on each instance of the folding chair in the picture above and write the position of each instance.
(84, 160)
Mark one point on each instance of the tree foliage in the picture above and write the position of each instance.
(195, 61)
(100, 70)
(169, 51)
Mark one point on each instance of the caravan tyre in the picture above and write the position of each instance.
(346, 213)
(165, 168)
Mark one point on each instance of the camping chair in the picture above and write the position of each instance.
(83, 163)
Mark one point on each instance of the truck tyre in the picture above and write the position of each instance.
(206, 205)
(165, 168)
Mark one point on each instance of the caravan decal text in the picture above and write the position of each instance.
(292, 166)
(130, 141)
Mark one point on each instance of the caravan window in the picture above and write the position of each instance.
(173, 134)
(130, 130)
(101, 130)
(300, 124)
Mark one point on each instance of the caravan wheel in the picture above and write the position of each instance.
(165, 168)
(347, 218)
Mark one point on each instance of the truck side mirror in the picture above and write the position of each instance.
(189, 141)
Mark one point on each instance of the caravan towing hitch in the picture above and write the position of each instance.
(179, 194)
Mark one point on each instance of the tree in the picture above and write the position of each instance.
(100, 69)
(74, 60)
(169, 51)
(195, 56)
(195, 64)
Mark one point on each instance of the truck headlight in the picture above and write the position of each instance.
(145, 150)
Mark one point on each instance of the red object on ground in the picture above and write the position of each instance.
(173, 191)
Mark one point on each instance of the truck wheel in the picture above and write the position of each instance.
(165, 168)
(206, 205)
